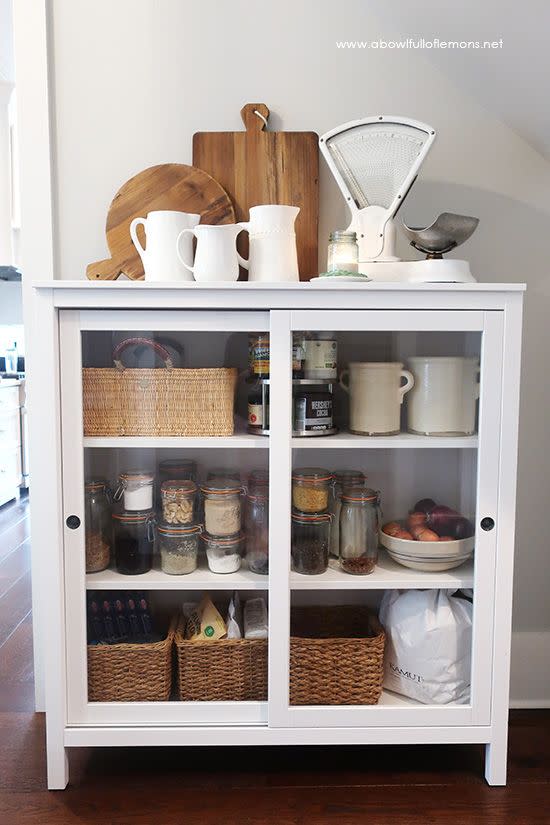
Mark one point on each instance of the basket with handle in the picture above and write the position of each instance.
(169, 401)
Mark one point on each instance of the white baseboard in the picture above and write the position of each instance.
(530, 670)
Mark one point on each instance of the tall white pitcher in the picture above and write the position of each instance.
(273, 255)
(162, 227)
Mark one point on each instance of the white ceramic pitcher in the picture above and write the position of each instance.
(162, 228)
(443, 401)
(272, 250)
(376, 395)
(216, 256)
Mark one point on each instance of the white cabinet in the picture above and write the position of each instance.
(209, 327)
(10, 442)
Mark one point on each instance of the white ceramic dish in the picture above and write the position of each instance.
(340, 279)
(427, 566)
(429, 549)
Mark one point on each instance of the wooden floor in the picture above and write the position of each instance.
(241, 786)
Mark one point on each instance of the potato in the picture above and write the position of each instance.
(426, 535)
(416, 519)
(391, 528)
(403, 534)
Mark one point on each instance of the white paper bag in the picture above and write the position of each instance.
(428, 648)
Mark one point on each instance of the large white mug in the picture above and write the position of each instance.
(443, 401)
(376, 394)
(162, 228)
(273, 256)
(216, 256)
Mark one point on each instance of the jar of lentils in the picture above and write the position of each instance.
(179, 547)
(178, 501)
(310, 489)
(309, 546)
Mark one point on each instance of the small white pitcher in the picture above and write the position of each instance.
(443, 401)
(216, 256)
(162, 227)
(273, 256)
(376, 395)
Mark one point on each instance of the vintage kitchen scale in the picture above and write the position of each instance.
(375, 162)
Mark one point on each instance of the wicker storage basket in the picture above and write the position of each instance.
(184, 402)
(332, 660)
(229, 670)
(131, 672)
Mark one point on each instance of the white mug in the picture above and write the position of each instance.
(443, 401)
(273, 256)
(376, 395)
(162, 228)
(216, 256)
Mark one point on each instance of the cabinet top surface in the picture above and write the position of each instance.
(294, 288)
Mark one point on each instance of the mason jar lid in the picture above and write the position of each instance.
(223, 472)
(178, 486)
(348, 476)
(313, 474)
(221, 487)
(310, 518)
(342, 235)
(177, 464)
(137, 477)
(95, 484)
(360, 494)
(226, 541)
(258, 477)
(178, 529)
(134, 516)
(262, 497)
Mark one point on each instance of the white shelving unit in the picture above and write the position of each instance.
(476, 474)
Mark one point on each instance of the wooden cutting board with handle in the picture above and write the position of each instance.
(167, 186)
(257, 166)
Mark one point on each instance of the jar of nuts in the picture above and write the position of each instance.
(178, 501)
(310, 489)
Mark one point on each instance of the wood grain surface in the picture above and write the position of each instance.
(257, 166)
(173, 186)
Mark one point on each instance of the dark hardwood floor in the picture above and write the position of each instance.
(240, 786)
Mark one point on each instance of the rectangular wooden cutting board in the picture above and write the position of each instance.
(257, 166)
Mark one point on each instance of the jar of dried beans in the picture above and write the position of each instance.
(310, 489)
(222, 507)
(98, 529)
(178, 501)
(359, 522)
(309, 546)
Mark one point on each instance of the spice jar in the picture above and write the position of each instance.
(309, 547)
(342, 480)
(257, 532)
(179, 548)
(98, 527)
(178, 501)
(133, 539)
(359, 522)
(258, 354)
(320, 355)
(224, 555)
(222, 507)
(310, 488)
(137, 488)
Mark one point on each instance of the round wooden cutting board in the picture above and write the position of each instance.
(167, 186)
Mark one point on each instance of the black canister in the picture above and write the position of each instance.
(312, 411)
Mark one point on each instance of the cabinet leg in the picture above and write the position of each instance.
(496, 760)
(58, 768)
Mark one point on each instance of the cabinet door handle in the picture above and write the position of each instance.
(487, 523)
(73, 522)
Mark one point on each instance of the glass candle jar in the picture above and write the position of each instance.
(222, 507)
(310, 489)
(133, 539)
(359, 523)
(178, 501)
(98, 525)
(224, 555)
(341, 480)
(257, 533)
(136, 487)
(309, 546)
(343, 252)
(320, 355)
(179, 548)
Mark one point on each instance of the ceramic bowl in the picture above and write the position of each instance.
(429, 549)
(429, 565)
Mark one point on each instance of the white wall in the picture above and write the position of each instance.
(133, 80)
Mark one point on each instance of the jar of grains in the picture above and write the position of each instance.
(222, 507)
(257, 532)
(133, 539)
(137, 488)
(342, 479)
(179, 547)
(310, 489)
(224, 555)
(178, 501)
(309, 547)
(359, 523)
(98, 526)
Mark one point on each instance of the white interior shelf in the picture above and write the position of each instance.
(155, 579)
(345, 440)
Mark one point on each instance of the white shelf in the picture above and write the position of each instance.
(239, 441)
(155, 579)
(345, 440)
(386, 575)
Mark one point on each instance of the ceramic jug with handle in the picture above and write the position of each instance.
(376, 395)
(216, 256)
(272, 249)
(162, 227)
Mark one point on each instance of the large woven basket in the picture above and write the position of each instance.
(336, 656)
(228, 670)
(131, 672)
(179, 402)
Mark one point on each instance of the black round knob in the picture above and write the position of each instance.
(487, 523)
(73, 522)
